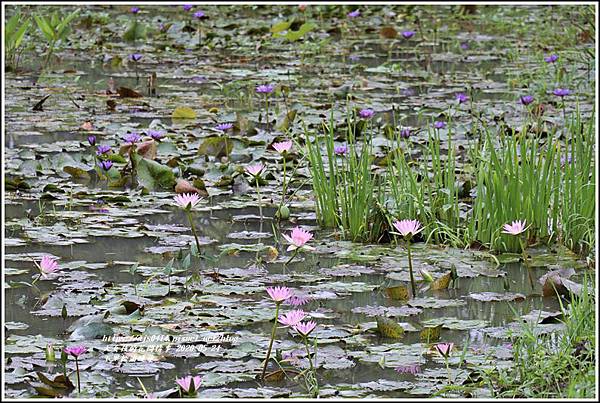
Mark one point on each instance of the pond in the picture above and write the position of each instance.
(340, 108)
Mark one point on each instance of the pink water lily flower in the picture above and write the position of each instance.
(279, 294)
(186, 383)
(187, 200)
(305, 328)
(48, 266)
(408, 227)
(75, 351)
(298, 238)
(514, 228)
(292, 318)
(283, 147)
(444, 348)
(255, 169)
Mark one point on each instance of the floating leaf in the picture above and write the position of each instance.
(183, 112)
(389, 328)
(151, 175)
(76, 172)
(125, 92)
(398, 292)
(280, 26)
(388, 32)
(216, 146)
(431, 334)
(441, 283)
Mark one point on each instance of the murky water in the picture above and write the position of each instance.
(97, 247)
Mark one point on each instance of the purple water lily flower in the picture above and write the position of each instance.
(136, 57)
(132, 138)
(366, 113)
(265, 89)
(460, 97)
(566, 160)
(405, 132)
(408, 34)
(105, 165)
(199, 15)
(526, 99)
(102, 149)
(156, 134)
(439, 124)
(354, 14)
(341, 150)
(75, 351)
(409, 369)
(551, 59)
(464, 45)
(561, 92)
(187, 7)
(224, 126)
(134, 10)
(92, 140)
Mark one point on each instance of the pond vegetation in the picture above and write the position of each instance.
(251, 201)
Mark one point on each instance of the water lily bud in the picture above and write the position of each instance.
(272, 253)
(283, 212)
(50, 357)
(426, 276)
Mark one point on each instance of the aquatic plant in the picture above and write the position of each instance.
(560, 364)
(47, 266)
(14, 31)
(526, 99)
(354, 14)
(292, 318)
(199, 16)
(254, 171)
(283, 148)
(444, 349)
(408, 34)
(189, 385)
(517, 179)
(409, 369)
(461, 98)
(408, 229)
(224, 127)
(75, 352)
(297, 239)
(135, 58)
(266, 90)
(278, 295)
(55, 28)
(156, 135)
(345, 191)
(366, 113)
(304, 329)
(187, 201)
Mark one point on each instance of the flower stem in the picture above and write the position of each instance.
(308, 354)
(267, 107)
(78, 381)
(284, 187)
(259, 198)
(448, 370)
(291, 258)
(193, 227)
(410, 268)
(526, 262)
(273, 331)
